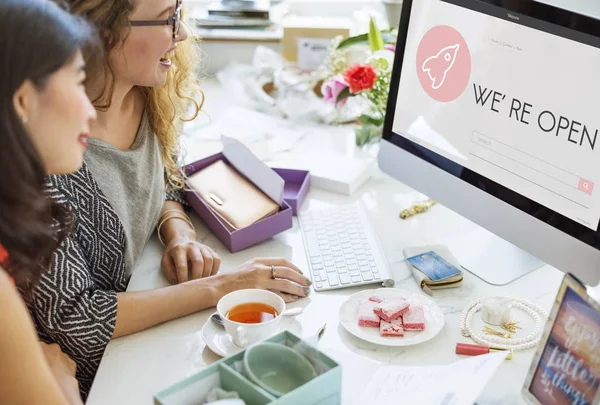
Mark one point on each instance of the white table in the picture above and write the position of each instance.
(136, 367)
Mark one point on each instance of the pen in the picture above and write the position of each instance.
(475, 350)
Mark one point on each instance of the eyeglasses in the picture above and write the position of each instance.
(174, 20)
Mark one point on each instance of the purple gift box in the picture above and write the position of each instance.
(297, 184)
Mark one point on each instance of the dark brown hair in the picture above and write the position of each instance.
(37, 38)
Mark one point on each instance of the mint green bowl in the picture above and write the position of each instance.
(277, 368)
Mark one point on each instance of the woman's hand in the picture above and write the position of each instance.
(63, 368)
(184, 253)
(289, 282)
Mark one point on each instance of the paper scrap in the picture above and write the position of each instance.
(459, 383)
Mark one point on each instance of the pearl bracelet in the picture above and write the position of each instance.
(538, 314)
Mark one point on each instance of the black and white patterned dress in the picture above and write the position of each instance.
(75, 303)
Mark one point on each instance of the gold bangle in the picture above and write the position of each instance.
(173, 210)
(183, 218)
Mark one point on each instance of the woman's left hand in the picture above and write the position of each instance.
(187, 259)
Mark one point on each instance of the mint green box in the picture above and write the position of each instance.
(227, 374)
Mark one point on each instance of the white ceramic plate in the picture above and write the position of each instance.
(221, 343)
(434, 318)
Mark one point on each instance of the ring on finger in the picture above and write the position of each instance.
(273, 272)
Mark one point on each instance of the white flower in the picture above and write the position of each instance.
(383, 59)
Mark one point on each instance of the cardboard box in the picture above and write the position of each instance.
(226, 373)
(287, 185)
(305, 39)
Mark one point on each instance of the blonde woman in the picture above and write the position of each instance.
(142, 91)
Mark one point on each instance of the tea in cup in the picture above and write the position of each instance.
(250, 315)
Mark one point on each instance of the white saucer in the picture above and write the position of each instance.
(220, 342)
(434, 318)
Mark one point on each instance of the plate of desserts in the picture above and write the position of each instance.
(392, 317)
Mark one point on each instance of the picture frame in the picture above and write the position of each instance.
(566, 366)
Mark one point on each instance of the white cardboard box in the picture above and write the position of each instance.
(331, 172)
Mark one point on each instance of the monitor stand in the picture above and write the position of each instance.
(491, 258)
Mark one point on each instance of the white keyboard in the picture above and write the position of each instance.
(342, 248)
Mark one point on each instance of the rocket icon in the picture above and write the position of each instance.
(439, 65)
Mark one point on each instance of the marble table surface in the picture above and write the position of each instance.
(136, 367)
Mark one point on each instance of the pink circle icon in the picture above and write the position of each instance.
(443, 63)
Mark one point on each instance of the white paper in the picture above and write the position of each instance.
(264, 134)
(312, 52)
(250, 166)
(459, 383)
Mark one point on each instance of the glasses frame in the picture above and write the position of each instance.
(174, 20)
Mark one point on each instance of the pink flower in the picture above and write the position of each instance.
(332, 88)
(390, 47)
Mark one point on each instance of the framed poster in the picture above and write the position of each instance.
(566, 366)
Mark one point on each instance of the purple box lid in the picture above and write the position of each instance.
(297, 185)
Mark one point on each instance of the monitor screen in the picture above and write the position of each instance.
(503, 94)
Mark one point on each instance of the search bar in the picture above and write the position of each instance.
(533, 169)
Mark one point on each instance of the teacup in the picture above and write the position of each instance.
(245, 334)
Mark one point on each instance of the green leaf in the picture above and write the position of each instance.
(367, 134)
(388, 36)
(344, 94)
(368, 120)
(375, 39)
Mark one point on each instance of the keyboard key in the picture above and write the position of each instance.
(329, 263)
(372, 263)
(317, 266)
(313, 246)
(316, 260)
(355, 273)
(331, 269)
(342, 270)
(333, 279)
(345, 278)
(377, 276)
(357, 279)
(319, 285)
(367, 276)
(365, 269)
(363, 263)
(352, 267)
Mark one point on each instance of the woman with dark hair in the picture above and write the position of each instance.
(44, 122)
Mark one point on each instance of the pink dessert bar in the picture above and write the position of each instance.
(391, 309)
(393, 328)
(375, 299)
(366, 316)
(414, 319)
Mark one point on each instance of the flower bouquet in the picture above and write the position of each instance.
(361, 66)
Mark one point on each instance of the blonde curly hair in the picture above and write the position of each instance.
(167, 106)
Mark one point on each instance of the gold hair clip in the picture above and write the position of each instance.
(417, 208)
(490, 331)
(511, 326)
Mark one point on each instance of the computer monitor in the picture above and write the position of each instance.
(494, 111)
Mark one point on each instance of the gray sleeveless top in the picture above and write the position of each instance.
(133, 182)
